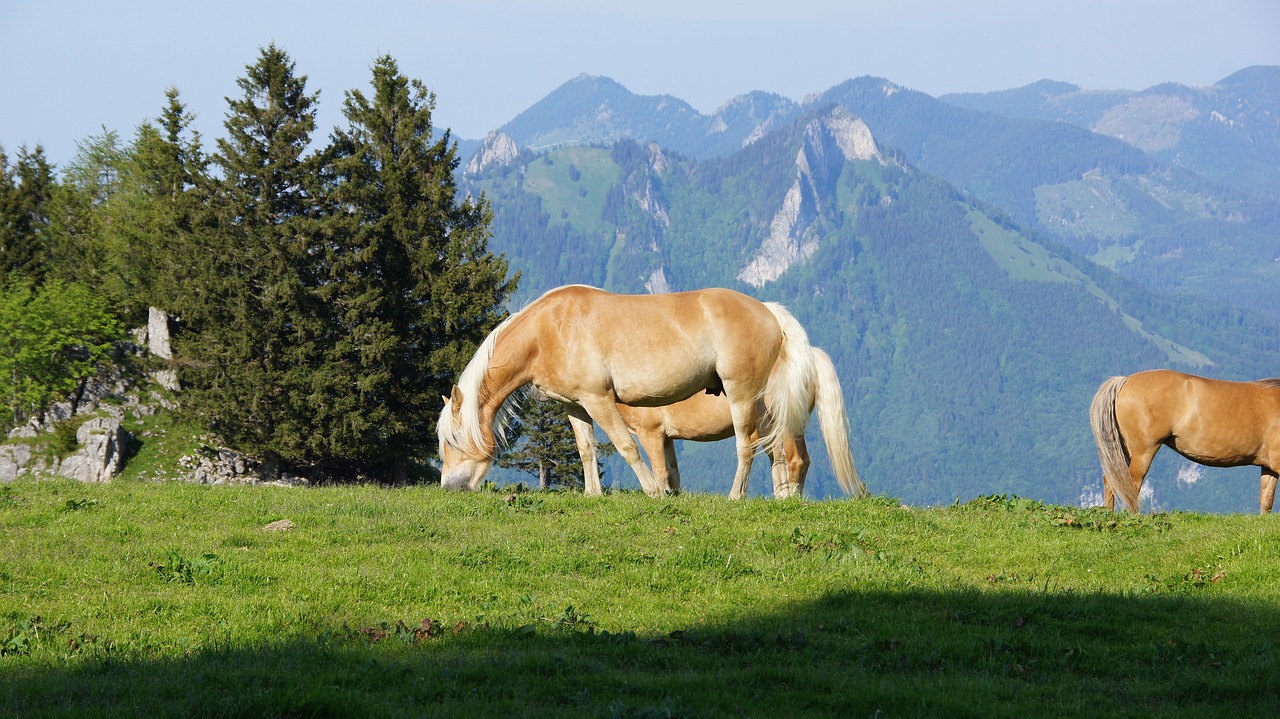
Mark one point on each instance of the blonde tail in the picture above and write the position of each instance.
(1111, 449)
(834, 421)
(787, 410)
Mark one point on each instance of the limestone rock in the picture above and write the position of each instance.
(103, 443)
(158, 333)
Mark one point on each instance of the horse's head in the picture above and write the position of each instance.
(462, 464)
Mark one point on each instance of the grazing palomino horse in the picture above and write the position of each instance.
(1209, 421)
(705, 417)
(592, 350)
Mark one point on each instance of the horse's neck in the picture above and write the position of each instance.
(509, 369)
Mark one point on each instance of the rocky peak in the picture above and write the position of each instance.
(498, 149)
(851, 135)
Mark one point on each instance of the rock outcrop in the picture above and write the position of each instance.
(829, 142)
(14, 460)
(103, 446)
(103, 443)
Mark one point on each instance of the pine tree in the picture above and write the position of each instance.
(250, 311)
(411, 282)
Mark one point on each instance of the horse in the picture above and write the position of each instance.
(705, 417)
(592, 350)
(1208, 421)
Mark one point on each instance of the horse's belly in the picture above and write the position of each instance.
(709, 420)
(1215, 454)
(659, 386)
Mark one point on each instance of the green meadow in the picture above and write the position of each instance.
(170, 599)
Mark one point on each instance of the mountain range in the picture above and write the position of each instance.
(975, 266)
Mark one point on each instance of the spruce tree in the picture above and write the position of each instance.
(411, 284)
(250, 312)
(25, 189)
(167, 181)
(80, 236)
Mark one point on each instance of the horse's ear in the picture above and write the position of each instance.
(454, 401)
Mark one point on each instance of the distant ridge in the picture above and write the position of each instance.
(1177, 187)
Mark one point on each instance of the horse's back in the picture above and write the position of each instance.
(653, 349)
(702, 417)
(1167, 387)
(706, 322)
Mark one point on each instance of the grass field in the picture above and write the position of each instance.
(169, 599)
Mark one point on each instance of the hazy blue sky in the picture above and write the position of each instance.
(68, 67)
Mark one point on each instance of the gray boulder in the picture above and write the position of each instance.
(14, 459)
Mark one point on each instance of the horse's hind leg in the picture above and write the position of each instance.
(656, 445)
(1139, 465)
(746, 417)
(797, 462)
(584, 433)
(1267, 494)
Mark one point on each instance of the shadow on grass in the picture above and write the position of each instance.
(907, 653)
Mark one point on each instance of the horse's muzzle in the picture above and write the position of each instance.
(458, 482)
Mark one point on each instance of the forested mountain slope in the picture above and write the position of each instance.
(1158, 223)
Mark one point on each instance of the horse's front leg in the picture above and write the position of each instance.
(605, 413)
(584, 434)
(777, 469)
(1267, 494)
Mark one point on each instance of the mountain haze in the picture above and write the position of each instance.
(1228, 132)
(598, 110)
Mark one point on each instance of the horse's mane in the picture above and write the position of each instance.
(1273, 382)
(468, 434)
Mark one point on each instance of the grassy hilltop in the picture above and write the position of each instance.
(177, 600)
